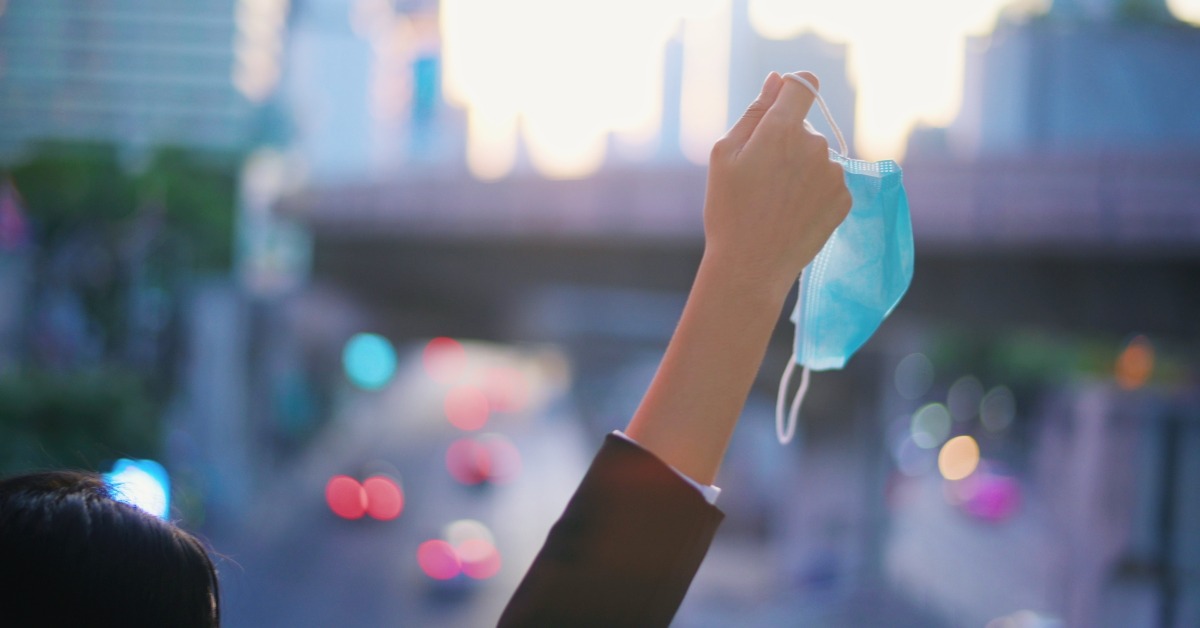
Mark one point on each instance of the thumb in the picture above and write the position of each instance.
(741, 131)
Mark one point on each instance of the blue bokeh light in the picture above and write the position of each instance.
(370, 361)
(141, 483)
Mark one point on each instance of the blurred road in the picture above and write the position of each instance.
(292, 562)
(779, 560)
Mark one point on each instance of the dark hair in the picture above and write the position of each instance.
(71, 555)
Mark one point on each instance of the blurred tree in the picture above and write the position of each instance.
(69, 187)
(113, 251)
(82, 419)
(197, 194)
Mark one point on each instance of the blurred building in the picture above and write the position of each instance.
(1077, 132)
(138, 73)
(1085, 78)
(1117, 471)
(199, 76)
(363, 90)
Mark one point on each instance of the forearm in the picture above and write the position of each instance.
(692, 406)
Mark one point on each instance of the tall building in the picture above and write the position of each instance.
(363, 90)
(138, 73)
(1087, 76)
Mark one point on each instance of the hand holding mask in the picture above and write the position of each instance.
(857, 278)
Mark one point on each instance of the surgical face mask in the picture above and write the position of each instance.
(856, 280)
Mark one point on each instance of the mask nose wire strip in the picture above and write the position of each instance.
(843, 150)
(785, 433)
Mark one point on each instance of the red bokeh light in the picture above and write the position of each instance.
(444, 359)
(346, 497)
(467, 408)
(469, 461)
(438, 560)
(385, 500)
(506, 388)
(480, 559)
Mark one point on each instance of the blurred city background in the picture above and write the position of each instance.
(358, 287)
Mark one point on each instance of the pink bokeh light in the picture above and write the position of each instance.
(469, 461)
(507, 389)
(444, 360)
(346, 497)
(438, 559)
(480, 559)
(385, 499)
(504, 460)
(467, 408)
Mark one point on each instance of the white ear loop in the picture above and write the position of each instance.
(786, 431)
(843, 150)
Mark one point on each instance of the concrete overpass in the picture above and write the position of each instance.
(1104, 241)
(1065, 203)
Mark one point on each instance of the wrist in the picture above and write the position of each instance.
(744, 284)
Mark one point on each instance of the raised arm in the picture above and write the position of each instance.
(632, 537)
(773, 199)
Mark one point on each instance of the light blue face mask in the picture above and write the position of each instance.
(856, 279)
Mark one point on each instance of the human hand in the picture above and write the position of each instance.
(774, 196)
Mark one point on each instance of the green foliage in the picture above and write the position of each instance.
(79, 420)
(119, 234)
(1022, 355)
(67, 187)
(1153, 11)
(1039, 357)
(199, 197)
(73, 187)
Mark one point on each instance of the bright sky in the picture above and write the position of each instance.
(565, 75)
(598, 71)
(912, 48)
(905, 58)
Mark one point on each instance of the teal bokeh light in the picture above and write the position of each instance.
(370, 361)
(141, 483)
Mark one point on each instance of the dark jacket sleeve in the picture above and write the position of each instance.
(624, 551)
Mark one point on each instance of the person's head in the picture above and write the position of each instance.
(71, 555)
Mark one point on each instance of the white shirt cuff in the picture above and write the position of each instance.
(710, 492)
